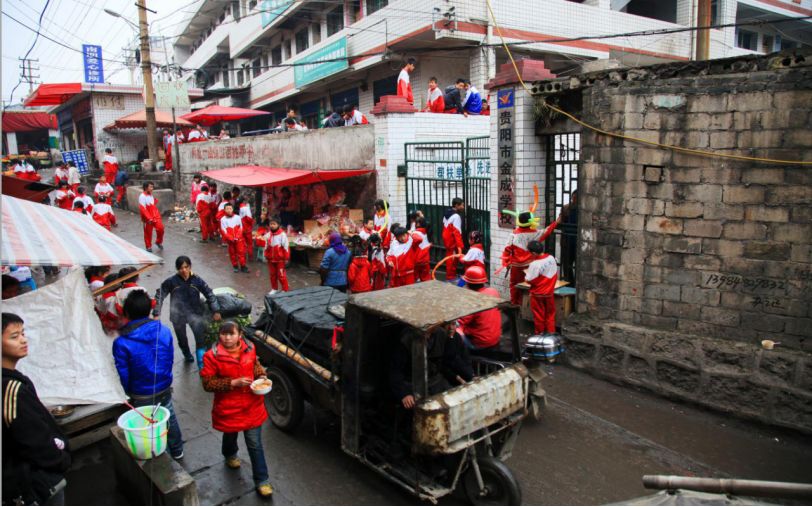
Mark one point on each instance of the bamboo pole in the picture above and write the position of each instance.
(102, 290)
(300, 359)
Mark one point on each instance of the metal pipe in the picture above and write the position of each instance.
(741, 487)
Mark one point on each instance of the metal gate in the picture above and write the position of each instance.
(563, 161)
(437, 172)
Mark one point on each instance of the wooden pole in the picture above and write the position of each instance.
(300, 359)
(149, 93)
(703, 34)
(102, 290)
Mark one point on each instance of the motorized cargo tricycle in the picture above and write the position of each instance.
(335, 352)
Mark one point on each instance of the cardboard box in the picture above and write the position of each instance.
(357, 215)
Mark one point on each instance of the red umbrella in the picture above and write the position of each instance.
(214, 114)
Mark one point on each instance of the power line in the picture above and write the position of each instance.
(41, 14)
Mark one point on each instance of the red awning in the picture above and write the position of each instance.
(215, 113)
(52, 94)
(28, 121)
(138, 120)
(260, 176)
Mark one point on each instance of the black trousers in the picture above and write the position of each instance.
(198, 325)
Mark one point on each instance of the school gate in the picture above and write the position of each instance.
(437, 172)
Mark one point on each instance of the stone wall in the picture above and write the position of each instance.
(686, 263)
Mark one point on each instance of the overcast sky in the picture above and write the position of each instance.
(73, 23)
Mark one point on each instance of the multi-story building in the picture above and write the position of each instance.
(252, 53)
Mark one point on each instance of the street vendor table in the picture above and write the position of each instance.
(89, 424)
(564, 301)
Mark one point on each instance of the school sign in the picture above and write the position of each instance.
(328, 60)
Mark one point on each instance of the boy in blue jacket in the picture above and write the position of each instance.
(144, 354)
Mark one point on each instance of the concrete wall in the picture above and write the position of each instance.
(686, 263)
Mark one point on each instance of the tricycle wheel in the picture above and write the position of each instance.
(285, 403)
(501, 487)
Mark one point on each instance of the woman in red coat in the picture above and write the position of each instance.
(229, 367)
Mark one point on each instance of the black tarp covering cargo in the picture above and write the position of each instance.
(301, 319)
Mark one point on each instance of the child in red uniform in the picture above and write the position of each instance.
(476, 253)
(377, 262)
(368, 230)
(151, 217)
(103, 188)
(85, 199)
(64, 196)
(481, 330)
(382, 223)
(516, 255)
(103, 213)
(197, 187)
(277, 253)
(128, 287)
(422, 266)
(262, 229)
(231, 232)
(452, 235)
(359, 274)
(401, 257)
(247, 224)
(110, 164)
(229, 367)
(60, 175)
(106, 306)
(203, 208)
(542, 275)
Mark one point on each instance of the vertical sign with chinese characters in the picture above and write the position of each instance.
(94, 69)
(506, 177)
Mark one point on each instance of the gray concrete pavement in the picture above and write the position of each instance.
(593, 446)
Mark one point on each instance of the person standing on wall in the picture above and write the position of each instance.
(151, 217)
(35, 452)
(452, 236)
(404, 83)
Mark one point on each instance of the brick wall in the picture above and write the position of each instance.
(686, 263)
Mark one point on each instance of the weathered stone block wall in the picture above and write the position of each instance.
(687, 262)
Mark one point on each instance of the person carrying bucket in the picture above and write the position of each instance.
(229, 368)
(144, 354)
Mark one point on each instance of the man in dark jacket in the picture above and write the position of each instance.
(185, 308)
(35, 453)
(144, 354)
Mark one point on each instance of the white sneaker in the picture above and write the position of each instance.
(273, 291)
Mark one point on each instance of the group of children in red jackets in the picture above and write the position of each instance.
(109, 305)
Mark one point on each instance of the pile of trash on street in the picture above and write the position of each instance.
(183, 214)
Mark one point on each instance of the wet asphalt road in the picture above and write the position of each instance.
(593, 446)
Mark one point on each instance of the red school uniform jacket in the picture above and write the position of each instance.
(277, 247)
(435, 101)
(103, 215)
(452, 231)
(484, 329)
(234, 409)
(403, 256)
(260, 239)
(382, 225)
(516, 253)
(231, 228)
(542, 275)
(359, 275)
(247, 221)
(148, 206)
(64, 199)
(474, 257)
(377, 261)
(405, 86)
(424, 254)
(203, 205)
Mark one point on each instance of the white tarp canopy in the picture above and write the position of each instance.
(38, 235)
(70, 358)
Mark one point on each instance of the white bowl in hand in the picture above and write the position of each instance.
(261, 386)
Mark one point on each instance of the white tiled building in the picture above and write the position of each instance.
(245, 48)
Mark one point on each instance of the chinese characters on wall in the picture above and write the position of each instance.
(506, 179)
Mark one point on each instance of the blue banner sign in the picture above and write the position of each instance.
(78, 157)
(328, 60)
(94, 68)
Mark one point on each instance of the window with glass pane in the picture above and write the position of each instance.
(335, 20)
(301, 40)
(376, 5)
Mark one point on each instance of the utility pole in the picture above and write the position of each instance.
(28, 70)
(149, 93)
(703, 35)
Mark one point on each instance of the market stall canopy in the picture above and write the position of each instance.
(261, 176)
(52, 94)
(215, 114)
(39, 235)
(138, 120)
(28, 121)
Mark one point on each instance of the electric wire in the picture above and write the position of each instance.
(617, 135)
(36, 38)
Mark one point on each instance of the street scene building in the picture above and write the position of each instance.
(460, 252)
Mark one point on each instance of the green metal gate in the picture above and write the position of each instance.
(436, 172)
